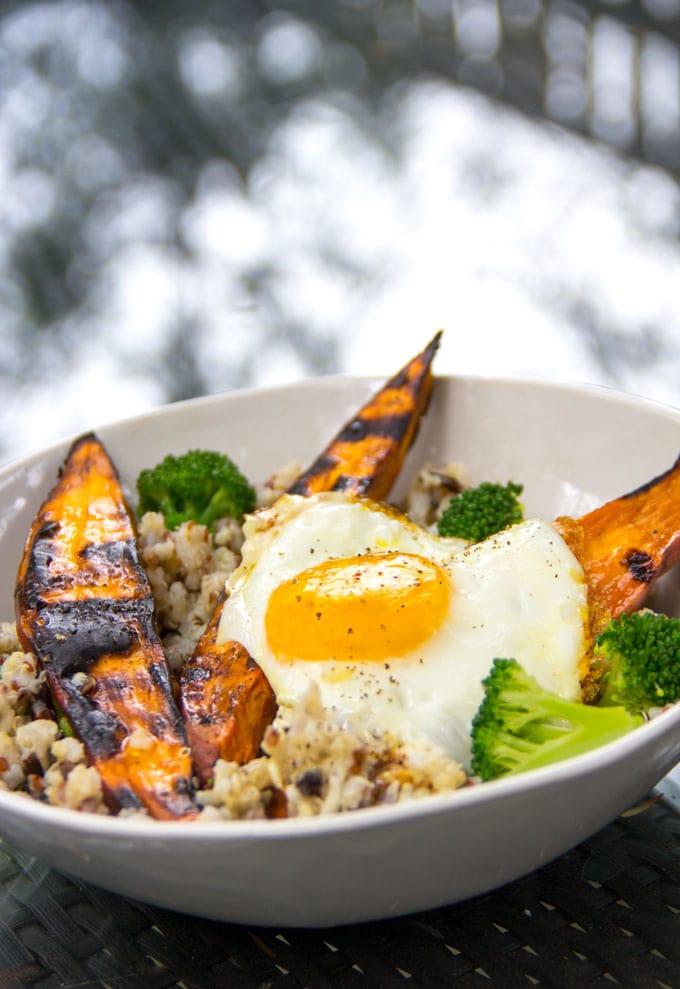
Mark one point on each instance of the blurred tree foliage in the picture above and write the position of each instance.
(104, 98)
(120, 109)
(106, 106)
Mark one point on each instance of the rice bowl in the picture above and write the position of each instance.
(422, 853)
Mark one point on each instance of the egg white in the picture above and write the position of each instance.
(519, 594)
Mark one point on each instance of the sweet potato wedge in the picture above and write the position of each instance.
(225, 698)
(85, 609)
(627, 543)
(366, 455)
(226, 701)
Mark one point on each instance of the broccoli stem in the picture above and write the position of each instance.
(558, 729)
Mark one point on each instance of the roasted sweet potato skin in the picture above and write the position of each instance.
(366, 455)
(226, 701)
(625, 545)
(84, 607)
(225, 698)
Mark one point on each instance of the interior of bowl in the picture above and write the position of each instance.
(571, 447)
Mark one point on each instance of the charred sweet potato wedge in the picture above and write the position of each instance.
(85, 609)
(225, 698)
(626, 544)
(366, 455)
(226, 701)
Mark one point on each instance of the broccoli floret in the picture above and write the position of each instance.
(477, 513)
(200, 485)
(521, 726)
(641, 653)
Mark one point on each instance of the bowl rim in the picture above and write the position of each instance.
(138, 826)
(608, 392)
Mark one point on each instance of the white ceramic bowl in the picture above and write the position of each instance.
(572, 448)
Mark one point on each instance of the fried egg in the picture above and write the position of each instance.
(397, 626)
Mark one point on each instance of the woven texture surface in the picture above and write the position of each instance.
(606, 913)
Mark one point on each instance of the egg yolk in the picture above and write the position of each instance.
(373, 607)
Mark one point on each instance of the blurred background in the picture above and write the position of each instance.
(208, 196)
